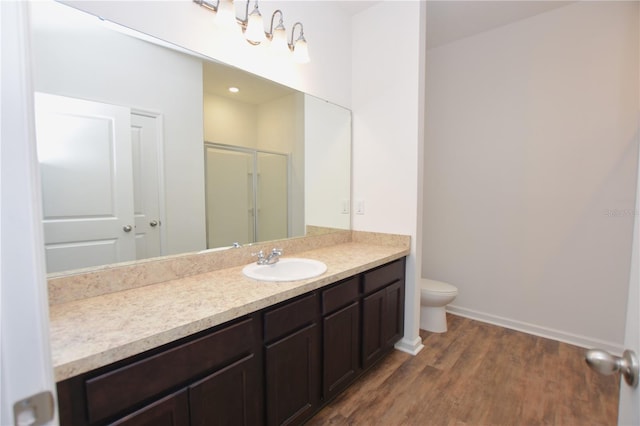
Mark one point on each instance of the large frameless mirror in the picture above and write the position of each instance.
(126, 127)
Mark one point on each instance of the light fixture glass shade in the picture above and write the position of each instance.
(301, 52)
(226, 14)
(255, 28)
(279, 45)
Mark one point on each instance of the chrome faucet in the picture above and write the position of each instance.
(270, 259)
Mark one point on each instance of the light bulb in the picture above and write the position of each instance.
(279, 44)
(226, 14)
(301, 51)
(254, 32)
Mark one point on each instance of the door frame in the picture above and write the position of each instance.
(629, 402)
(162, 212)
(25, 351)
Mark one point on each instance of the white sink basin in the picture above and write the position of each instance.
(286, 269)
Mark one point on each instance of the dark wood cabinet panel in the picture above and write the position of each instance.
(373, 313)
(394, 315)
(290, 316)
(382, 311)
(117, 390)
(231, 396)
(382, 276)
(293, 377)
(340, 295)
(341, 349)
(172, 410)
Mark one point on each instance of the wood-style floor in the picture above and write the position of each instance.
(479, 374)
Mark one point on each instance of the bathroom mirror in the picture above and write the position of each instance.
(166, 103)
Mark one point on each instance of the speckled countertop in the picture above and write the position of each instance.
(92, 332)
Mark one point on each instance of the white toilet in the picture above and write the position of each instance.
(434, 297)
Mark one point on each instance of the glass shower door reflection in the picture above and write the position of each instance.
(229, 197)
(247, 193)
(272, 196)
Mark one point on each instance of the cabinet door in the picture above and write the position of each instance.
(394, 314)
(341, 345)
(172, 410)
(293, 377)
(231, 396)
(373, 311)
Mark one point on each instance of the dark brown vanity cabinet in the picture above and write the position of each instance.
(292, 360)
(276, 366)
(341, 336)
(172, 410)
(214, 377)
(382, 310)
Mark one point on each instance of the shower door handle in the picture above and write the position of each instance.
(605, 363)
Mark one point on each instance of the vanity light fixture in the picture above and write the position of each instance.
(226, 14)
(253, 28)
(278, 36)
(299, 49)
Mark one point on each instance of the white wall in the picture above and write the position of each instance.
(327, 164)
(530, 171)
(387, 96)
(101, 65)
(229, 122)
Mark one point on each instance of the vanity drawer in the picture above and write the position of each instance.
(113, 392)
(340, 295)
(383, 276)
(290, 316)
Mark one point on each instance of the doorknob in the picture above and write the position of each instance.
(605, 363)
(153, 223)
(127, 228)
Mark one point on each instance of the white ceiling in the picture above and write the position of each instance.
(353, 7)
(217, 78)
(449, 21)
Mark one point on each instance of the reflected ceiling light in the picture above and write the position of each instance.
(253, 28)
(278, 36)
(299, 48)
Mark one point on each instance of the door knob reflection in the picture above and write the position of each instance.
(605, 363)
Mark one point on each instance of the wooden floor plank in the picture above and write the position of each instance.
(478, 374)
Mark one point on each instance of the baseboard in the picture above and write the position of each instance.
(561, 336)
(410, 346)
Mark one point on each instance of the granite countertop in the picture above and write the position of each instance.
(93, 332)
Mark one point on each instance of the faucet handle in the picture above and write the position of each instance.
(277, 251)
(260, 254)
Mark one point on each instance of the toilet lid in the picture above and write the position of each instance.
(438, 286)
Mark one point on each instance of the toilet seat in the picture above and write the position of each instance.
(439, 287)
